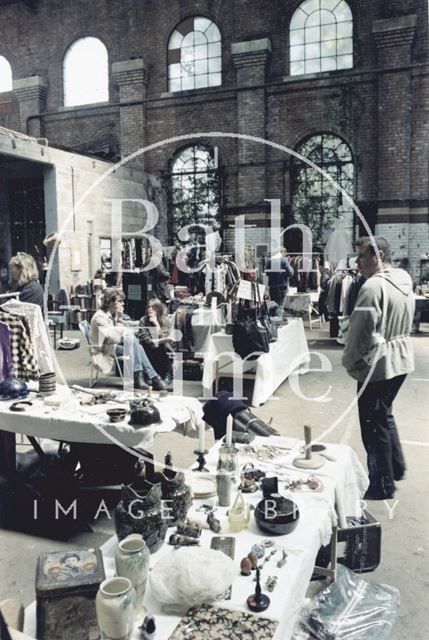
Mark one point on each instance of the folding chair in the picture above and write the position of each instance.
(94, 375)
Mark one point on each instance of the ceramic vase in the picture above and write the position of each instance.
(140, 511)
(115, 605)
(176, 494)
(132, 561)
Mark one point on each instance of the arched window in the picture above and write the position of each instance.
(5, 75)
(195, 189)
(316, 202)
(321, 37)
(194, 55)
(86, 73)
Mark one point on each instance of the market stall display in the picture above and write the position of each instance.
(287, 355)
(285, 562)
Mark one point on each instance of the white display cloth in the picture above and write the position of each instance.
(72, 422)
(204, 323)
(317, 517)
(286, 356)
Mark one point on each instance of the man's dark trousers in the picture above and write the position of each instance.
(380, 437)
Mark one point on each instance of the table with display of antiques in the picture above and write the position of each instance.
(214, 549)
(288, 355)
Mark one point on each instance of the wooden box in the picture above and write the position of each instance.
(66, 585)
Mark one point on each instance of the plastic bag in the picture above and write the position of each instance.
(352, 608)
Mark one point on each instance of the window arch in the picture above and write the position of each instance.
(5, 75)
(321, 37)
(194, 55)
(195, 188)
(86, 73)
(316, 202)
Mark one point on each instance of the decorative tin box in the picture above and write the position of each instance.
(66, 585)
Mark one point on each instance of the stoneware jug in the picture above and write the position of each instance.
(132, 561)
(140, 511)
(176, 494)
(115, 605)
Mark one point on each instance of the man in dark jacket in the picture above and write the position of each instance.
(279, 271)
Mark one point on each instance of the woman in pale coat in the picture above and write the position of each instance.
(107, 332)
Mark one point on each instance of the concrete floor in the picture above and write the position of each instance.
(405, 527)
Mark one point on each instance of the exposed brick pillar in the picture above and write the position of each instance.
(132, 78)
(394, 39)
(250, 59)
(31, 94)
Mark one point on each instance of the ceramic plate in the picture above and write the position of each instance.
(202, 486)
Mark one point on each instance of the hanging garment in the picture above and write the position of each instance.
(39, 333)
(339, 246)
(23, 358)
(6, 368)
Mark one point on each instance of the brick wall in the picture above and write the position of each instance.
(380, 107)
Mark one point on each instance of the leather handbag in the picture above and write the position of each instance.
(271, 327)
(250, 334)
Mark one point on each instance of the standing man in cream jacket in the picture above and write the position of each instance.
(378, 354)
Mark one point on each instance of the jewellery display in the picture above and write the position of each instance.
(271, 583)
(310, 461)
(312, 482)
(264, 452)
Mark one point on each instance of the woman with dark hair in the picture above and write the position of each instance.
(107, 332)
(25, 276)
(155, 336)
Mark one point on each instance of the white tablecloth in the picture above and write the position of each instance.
(287, 355)
(317, 517)
(74, 423)
(204, 323)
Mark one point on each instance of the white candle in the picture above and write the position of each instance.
(201, 435)
(214, 303)
(229, 313)
(229, 430)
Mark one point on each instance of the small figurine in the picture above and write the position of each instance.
(190, 530)
(182, 541)
(197, 522)
(213, 523)
(148, 628)
(281, 563)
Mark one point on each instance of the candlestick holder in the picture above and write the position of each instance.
(201, 460)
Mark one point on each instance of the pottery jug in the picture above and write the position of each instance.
(140, 511)
(132, 561)
(115, 605)
(176, 495)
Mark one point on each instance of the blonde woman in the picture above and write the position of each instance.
(25, 276)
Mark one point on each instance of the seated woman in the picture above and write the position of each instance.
(25, 276)
(107, 331)
(154, 334)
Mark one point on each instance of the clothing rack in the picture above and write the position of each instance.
(12, 294)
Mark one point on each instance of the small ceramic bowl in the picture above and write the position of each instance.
(116, 415)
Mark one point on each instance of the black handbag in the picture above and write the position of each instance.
(143, 413)
(271, 327)
(250, 336)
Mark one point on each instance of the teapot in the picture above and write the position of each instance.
(143, 413)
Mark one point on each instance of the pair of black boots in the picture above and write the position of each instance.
(246, 425)
(142, 382)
